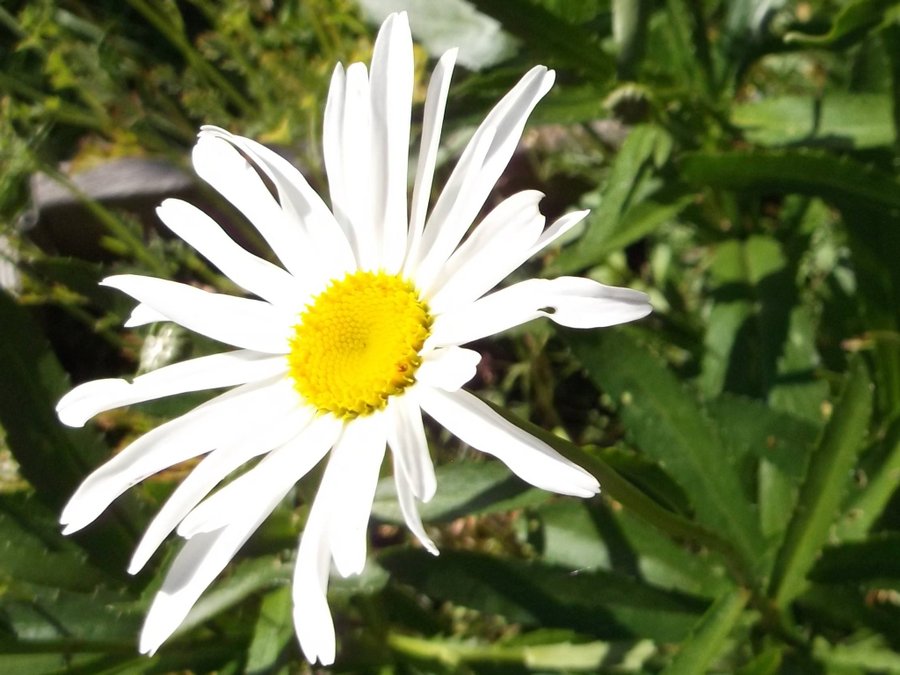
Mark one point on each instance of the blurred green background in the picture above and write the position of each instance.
(740, 160)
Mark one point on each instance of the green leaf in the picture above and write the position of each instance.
(274, 630)
(875, 558)
(854, 22)
(842, 120)
(464, 489)
(708, 637)
(840, 180)
(53, 458)
(552, 39)
(610, 225)
(603, 604)
(825, 484)
(666, 422)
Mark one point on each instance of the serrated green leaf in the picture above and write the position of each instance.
(666, 422)
(840, 120)
(603, 604)
(53, 458)
(824, 486)
(646, 148)
(853, 23)
(273, 631)
(708, 637)
(840, 180)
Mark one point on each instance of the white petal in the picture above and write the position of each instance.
(356, 462)
(569, 301)
(254, 274)
(410, 511)
(432, 121)
(220, 164)
(241, 322)
(198, 563)
(333, 255)
(473, 422)
(391, 96)
(280, 426)
(206, 372)
(448, 368)
(312, 617)
(406, 436)
(204, 428)
(472, 180)
(496, 247)
(290, 462)
(347, 145)
(558, 229)
(141, 315)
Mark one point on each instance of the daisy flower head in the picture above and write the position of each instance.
(355, 333)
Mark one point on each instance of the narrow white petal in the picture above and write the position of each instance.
(142, 314)
(391, 100)
(198, 563)
(448, 368)
(333, 254)
(220, 164)
(410, 511)
(496, 247)
(248, 271)
(312, 617)
(242, 322)
(535, 462)
(356, 459)
(206, 372)
(347, 144)
(195, 433)
(432, 122)
(406, 436)
(465, 194)
(557, 229)
(569, 301)
(282, 424)
(289, 462)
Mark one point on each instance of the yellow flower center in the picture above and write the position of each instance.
(358, 342)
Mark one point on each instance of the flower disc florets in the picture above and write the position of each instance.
(358, 343)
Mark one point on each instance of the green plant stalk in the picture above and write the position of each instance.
(192, 56)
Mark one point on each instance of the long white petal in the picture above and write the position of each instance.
(448, 368)
(559, 227)
(312, 617)
(333, 254)
(356, 458)
(535, 462)
(198, 563)
(391, 100)
(496, 247)
(242, 322)
(220, 164)
(142, 314)
(432, 122)
(283, 422)
(347, 145)
(248, 271)
(204, 428)
(291, 461)
(406, 437)
(569, 301)
(464, 194)
(206, 372)
(410, 511)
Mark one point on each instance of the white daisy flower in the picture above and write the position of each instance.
(351, 338)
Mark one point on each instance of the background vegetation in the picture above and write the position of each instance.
(741, 162)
